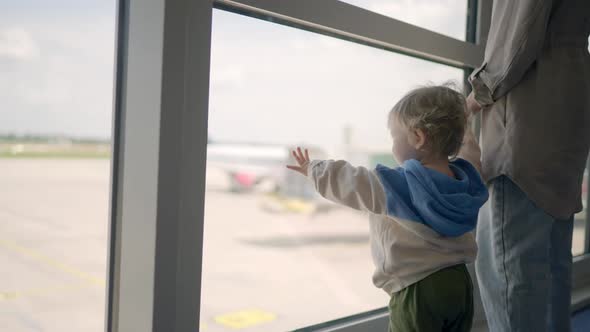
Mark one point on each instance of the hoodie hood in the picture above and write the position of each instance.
(449, 206)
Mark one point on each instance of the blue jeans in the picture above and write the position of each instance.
(524, 264)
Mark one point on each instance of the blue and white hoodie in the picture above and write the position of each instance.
(421, 220)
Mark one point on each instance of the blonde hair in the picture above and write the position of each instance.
(440, 111)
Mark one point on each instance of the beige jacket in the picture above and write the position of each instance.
(535, 82)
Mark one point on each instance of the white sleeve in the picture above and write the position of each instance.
(342, 183)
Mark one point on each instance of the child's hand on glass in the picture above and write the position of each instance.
(302, 161)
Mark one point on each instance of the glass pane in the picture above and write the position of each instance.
(277, 257)
(56, 60)
(447, 17)
(580, 220)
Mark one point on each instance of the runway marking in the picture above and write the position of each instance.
(52, 262)
(285, 204)
(12, 295)
(245, 318)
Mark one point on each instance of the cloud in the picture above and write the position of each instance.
(56, 79)
(268, 82)
(17, 44)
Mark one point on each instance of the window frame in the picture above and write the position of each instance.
(162, 65)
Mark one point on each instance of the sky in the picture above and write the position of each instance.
(56, 60)
(269, 83)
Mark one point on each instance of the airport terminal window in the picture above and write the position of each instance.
(277, 257)
(448, 17)
(56, 92)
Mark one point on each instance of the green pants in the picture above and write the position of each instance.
(443, 301)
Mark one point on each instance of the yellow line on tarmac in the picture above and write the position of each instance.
(52, 262)
(245, 318)
(11, 295)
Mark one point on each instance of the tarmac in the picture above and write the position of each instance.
(270, 264)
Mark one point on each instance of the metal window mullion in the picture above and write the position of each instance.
(342, 20)
(131, 259)
(484, 20)
(470, 37)
(482, 28)
(116, 168)
(587, 212)
(158, 188)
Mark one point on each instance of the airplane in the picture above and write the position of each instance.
(247, 165)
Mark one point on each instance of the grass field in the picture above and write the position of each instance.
(55, 150)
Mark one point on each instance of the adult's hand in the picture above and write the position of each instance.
(472, 105)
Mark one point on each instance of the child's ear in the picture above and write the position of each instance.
(419, 139)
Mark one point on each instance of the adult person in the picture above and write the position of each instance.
(534, 92)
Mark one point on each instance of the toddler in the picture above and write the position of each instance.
(422, 214)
